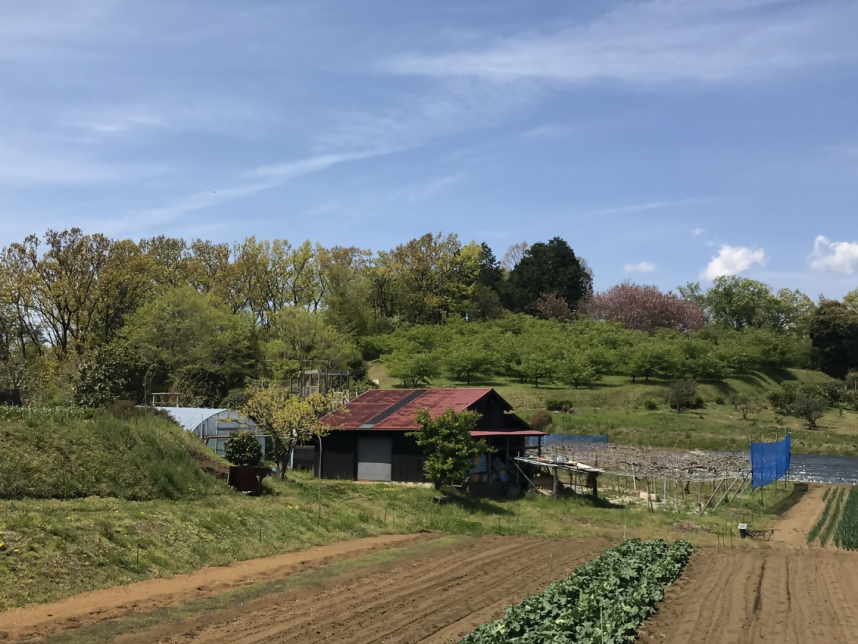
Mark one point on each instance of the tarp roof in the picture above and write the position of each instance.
(394, 408)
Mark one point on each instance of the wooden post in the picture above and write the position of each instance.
(555, 488)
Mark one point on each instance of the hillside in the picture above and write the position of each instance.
(60, 454)
(614, 406)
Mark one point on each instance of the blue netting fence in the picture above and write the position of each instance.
(560, 439)
(769, 462)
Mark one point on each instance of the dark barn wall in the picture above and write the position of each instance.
(339, 455)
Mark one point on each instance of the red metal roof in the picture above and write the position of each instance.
(394, 408)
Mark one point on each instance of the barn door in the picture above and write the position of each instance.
(374, 459)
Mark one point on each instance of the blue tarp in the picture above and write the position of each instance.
(769, 462)
(559, 439)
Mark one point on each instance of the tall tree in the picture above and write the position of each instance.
(834, 333)
(548, 268)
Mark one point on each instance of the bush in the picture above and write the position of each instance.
(243, 449)
(200, 386)
(683, 395)
(235, 399)
(649, 403)
(558, 404)
(810, 408)
(540, 420)
(719, 400)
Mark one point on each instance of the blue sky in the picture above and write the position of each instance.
(665, 140)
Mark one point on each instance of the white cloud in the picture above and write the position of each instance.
(643, 267)
(661, 41)
(698, 231)
(838, 257)
(732, 260)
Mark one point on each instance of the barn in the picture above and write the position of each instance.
(370, 441)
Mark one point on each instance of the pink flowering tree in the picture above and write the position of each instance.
(645, 308)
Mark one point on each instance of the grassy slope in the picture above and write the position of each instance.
(68, 547)
(49, 454)
(613, 406)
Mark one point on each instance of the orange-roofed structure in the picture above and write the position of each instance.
(370, 439)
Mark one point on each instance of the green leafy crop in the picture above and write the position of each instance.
(603, 602)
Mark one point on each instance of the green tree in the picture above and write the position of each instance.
(182, 327)
(412, 366)
(447, 442)
(577, 370)
(549, 267)
(290, 420)
(834, 334)
(682, 395)
(243, 449)
(537, 357)
(299, 340)
(467, 357)
(850, 300)
(107, 373)
(810, 408)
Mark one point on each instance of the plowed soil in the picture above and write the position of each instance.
(80, 610)
(750, 596)
(436, 596)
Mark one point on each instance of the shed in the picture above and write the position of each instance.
(213, 426)
(370, 441)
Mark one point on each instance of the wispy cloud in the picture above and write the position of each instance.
(732, 260)
(661, 41)
(255, 181)
(644, 207)
(642, 267)
(39, 166)
(837, 257)
(434, 187)
(698, 231)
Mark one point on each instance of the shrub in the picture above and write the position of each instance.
(810, 408)
(649, 403)
(719, 400)
(540, 420)
(242, 448)
(558, 404)
(235, 399)
(683, 395)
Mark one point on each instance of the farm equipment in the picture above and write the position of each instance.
(747, 533)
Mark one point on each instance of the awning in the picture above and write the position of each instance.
(523, 432)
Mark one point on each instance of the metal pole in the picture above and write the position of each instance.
(319, 516)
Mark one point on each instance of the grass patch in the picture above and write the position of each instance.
(59, 454)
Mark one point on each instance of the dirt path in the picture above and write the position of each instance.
(750, 596)
(792, 528)
(100, 605)
(432, 597)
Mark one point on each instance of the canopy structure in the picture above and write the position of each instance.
(213, 426)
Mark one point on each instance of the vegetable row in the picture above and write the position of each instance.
(603, 602)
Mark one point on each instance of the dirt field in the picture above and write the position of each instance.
(436, 596)
(74, 612)
(738, 597)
